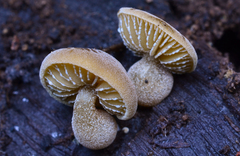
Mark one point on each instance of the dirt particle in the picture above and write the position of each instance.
(185, 117)
(229, 73)
(15, 43)
(146, 81)
(24, 47)
(5, 31)
(150, 153)
(125, 130)
(226, 149)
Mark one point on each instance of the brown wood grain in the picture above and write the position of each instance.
(200, 117)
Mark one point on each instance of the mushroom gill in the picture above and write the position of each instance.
(65, 80)
(85, 78)
(163, 49)
(145, 33)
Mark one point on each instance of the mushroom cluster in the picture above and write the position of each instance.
(163, 48)
(84, 79)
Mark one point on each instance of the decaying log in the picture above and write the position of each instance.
(200, 117)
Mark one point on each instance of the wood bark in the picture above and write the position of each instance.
(200, 117)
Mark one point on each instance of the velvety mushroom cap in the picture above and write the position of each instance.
(65, 71)
(84, 78)
(144, 33)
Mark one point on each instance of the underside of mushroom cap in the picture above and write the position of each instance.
(144, 33)
(63, 72)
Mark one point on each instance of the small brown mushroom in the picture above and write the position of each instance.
(84, 78)
(163, 48)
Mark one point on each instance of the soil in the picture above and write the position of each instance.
(200, 117)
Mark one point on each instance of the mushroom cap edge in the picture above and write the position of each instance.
(166, 28)
(102, 65)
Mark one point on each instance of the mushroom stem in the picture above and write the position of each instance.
(93, 128)
(153, 82)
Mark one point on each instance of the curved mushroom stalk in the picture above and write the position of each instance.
(93, 128)
(86, 78)
(153, 82)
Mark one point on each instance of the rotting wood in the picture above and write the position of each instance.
(203, 93)
(236, 128)
(225, 150)
(170, 143)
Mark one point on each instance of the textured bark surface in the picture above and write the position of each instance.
(200, 117)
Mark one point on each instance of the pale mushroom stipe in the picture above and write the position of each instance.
(84, 78)
(164, 50)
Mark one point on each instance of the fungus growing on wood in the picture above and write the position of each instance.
(83, 78)
(163, 48)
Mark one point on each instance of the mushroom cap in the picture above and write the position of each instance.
(65, 71)
(144, 33)
(152, 81)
